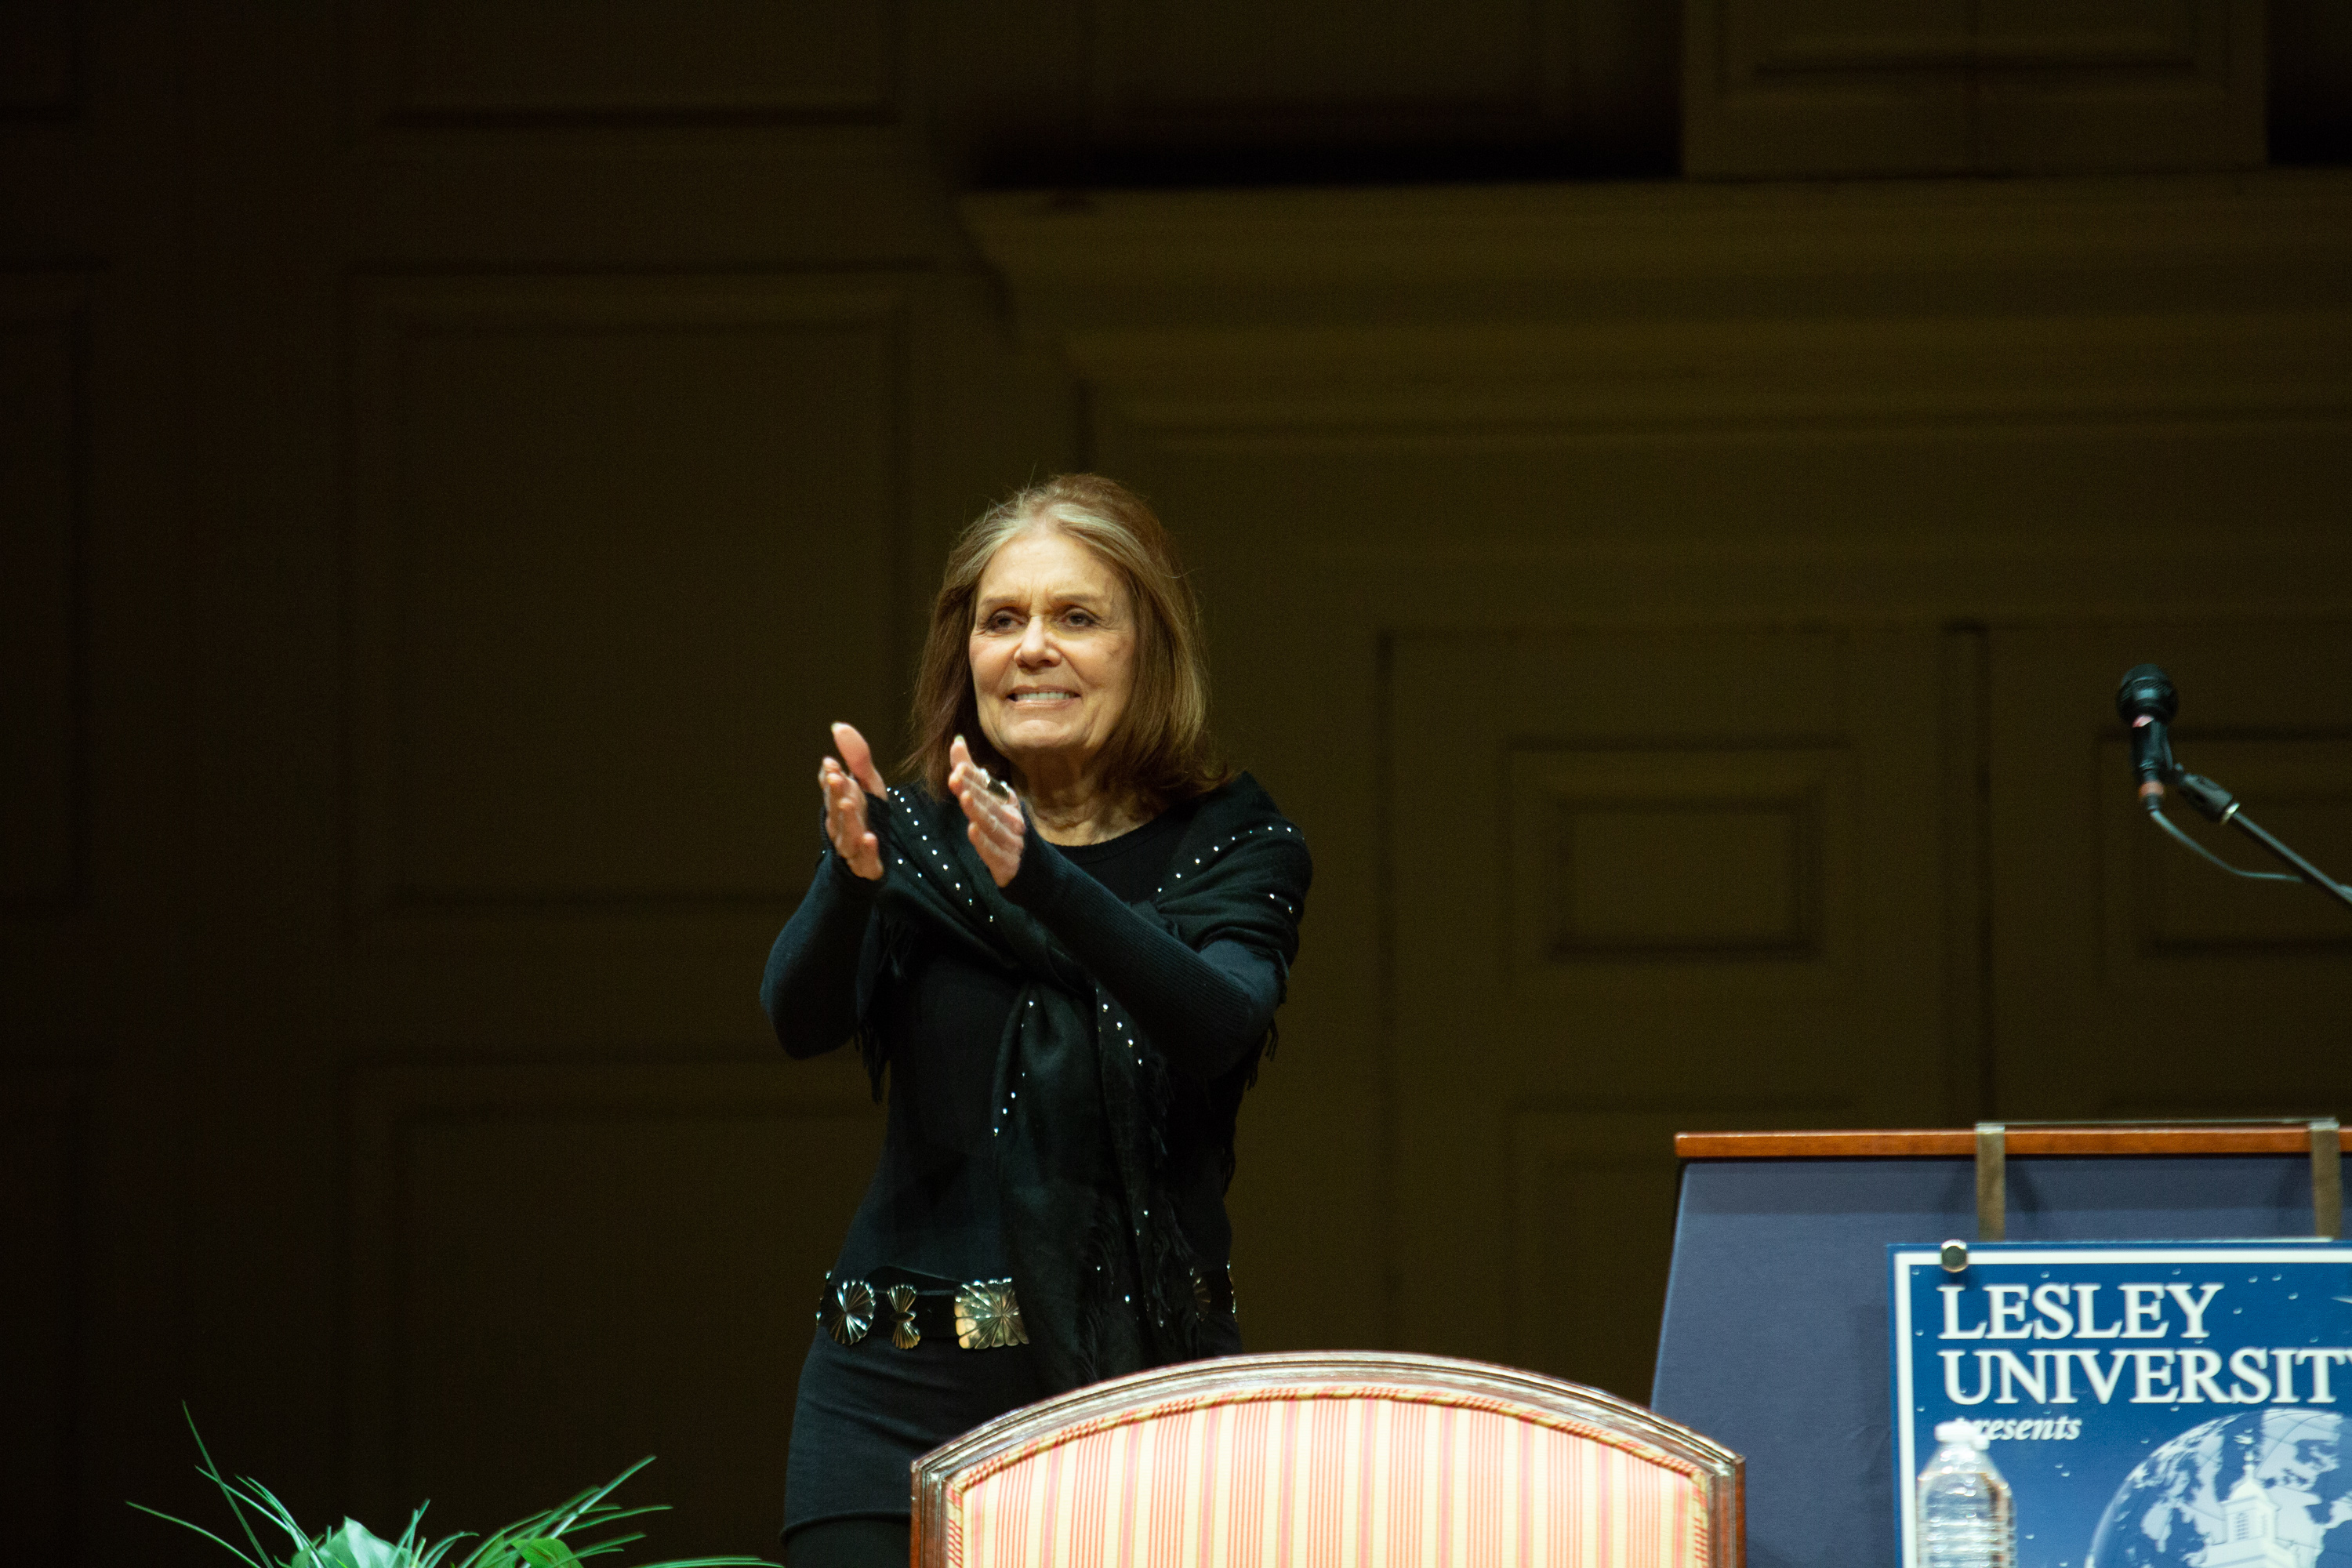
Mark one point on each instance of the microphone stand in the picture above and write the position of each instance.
(2217, 804)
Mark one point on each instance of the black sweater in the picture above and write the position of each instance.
(932, 1205)
(1205, 1010)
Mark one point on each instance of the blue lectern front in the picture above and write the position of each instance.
(1775, 1338)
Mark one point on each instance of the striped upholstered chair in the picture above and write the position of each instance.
(1345, 1460)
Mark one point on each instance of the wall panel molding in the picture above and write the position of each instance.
(1691, 865)
(44, 681)
(1775, 89)
(1480, 384)
(619, 1257)
(1219, 321)
(700, 64)
(1667, 251)
(596, 523)
(1730, 973)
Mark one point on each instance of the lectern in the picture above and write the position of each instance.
(1775, 1338)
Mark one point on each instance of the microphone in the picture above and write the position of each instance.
(2147, 702)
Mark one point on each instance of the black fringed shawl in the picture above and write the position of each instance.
(1106, 1274)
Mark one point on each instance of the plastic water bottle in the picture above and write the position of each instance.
(1966, 1516)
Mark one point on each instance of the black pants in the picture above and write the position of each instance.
(849, 1543)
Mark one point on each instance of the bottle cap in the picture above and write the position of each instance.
(1961, 1431)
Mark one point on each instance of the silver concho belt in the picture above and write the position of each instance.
(981, 1314)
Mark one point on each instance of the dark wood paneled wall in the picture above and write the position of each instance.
(455, 458)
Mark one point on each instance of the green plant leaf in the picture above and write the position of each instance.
(533, 1542)
(211, 1472)
(431, 1556)
(355, 1546)
(566, 1515)
(200, 1529)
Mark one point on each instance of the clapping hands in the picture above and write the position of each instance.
(997, 828)
(845, 782)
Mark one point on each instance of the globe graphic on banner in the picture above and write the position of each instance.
(2264, 1489)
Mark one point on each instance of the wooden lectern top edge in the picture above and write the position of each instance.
(1918, 1143)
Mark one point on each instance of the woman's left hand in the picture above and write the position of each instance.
(992, 811)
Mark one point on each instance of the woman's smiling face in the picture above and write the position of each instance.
(1053, 654)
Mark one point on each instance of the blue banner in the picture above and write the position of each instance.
(2167, 1406)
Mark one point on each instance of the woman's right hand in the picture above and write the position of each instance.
(847, 780)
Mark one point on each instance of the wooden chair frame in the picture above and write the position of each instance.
(1718, 1473)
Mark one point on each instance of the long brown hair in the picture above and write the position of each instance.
(1163, 748)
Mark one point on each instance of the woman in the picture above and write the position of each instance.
(1067, 943)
